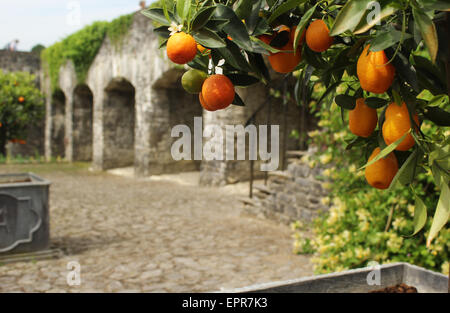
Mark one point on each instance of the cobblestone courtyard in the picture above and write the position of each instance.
(151, 236)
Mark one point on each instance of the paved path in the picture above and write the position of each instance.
(153, 236)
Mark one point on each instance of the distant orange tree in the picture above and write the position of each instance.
(21, 104)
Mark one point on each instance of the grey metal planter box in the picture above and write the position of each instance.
(24, 213)
(356, 281)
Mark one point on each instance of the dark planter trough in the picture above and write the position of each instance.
(24, 214)
(355, 281)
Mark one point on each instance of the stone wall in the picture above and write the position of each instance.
(228, 172)
(291, 195)
(19, 61)
(124, 112)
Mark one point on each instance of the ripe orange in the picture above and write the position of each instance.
(286, 62)
(21, 99)
(203, 103)
(373, 73)
(217, 92)
(381, 173)
(318, 36)
(397, 123)
(181, 48)
(362, 119)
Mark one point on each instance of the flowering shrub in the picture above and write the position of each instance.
(365, 224)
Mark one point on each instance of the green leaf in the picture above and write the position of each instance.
(438, 5)
(349, 16)
(345, 101)
(162, 31)
(235, 28)
(376, 103)
(256, 60)
(397, 98)
(420, 215)
(438, 116)
(202, 17)
(244, 8)
(243, 80)
(233, 56)
(439, 176)
(387, 39)
(358, 141)
(364, 25)
(200, 63)
(287, 6)
(166, 12)
(156, 15)
(302, 25)
(439, 100)
(428, 31)
(386, 150)
(406, 173)
(264, 45)
(441, 153)
(208, 38)
(441, 215)
(183, 7)
(329, 90)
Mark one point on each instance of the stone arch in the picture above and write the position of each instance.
(171, 105)
(57, 132)
(119, 117)
(82, 122)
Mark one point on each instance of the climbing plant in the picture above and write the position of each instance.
(21, 104)
(82, 47)
(389, 56)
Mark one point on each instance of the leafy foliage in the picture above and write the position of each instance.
(21, 104)
(359, 227)
(37, 49)
(82, 47)
(411, 33)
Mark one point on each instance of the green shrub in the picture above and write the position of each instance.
(82, 47)
(365, 224)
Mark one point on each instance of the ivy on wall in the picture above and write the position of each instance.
(82, 47)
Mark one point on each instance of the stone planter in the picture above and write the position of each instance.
(24, 213)
(356, 281)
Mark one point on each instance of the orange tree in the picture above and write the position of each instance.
(389, 57)
(21, 104)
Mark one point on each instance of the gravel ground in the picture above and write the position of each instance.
(136, 235)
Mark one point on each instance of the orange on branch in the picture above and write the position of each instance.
(318, 36)
(217, 92)
(381, 173)
(181, 48)
(286, 62)
(203, 103)
(362, 119)
(397, 124)
(373, 73)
